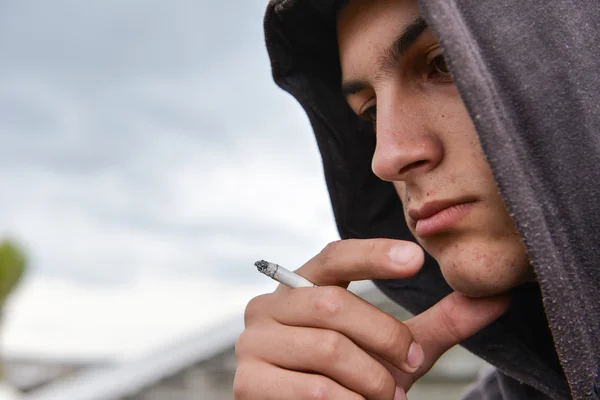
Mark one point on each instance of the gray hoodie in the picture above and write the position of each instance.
(528, 73)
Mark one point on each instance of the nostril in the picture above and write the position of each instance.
(412, 166)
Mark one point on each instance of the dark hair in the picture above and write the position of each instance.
(338, 6)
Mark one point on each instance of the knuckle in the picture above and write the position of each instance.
(329, 301)
(372, 250)
(448, 314)
(395, 335)
(328, 254)
(242, 345)
(320, 390)
(241, 384)
(382, 384)
(331, 344)
(255, 307)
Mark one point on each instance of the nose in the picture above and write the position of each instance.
(407, 145)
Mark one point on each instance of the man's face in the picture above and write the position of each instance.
(394, 74)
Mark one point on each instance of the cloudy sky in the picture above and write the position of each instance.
(147, 161)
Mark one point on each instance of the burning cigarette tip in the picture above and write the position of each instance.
(267, 268)
(262, 266)
(282, 275)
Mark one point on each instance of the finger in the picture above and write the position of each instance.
(403, 380)
(257, 309)
(257, 380)
(324, 352)
(452, 320)
(363, 259)
(340, 310)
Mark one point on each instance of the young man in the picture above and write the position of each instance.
(489, 139)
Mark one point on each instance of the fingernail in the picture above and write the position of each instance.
(402, 254)
(399, 394)
(415, 355)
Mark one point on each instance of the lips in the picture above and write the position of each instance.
(437, 216)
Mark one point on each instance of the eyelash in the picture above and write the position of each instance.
(370, 114)
(445, 76)
(365, 114)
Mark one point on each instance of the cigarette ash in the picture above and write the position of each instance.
(262, 266)
(266, 268)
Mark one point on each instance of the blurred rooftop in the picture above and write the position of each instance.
(202, 366)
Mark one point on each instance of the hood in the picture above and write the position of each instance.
(528, 75)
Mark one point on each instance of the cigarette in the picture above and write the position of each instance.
(282, 275)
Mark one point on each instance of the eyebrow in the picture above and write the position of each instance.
(399, 46)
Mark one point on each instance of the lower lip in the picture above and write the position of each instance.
(443, 220)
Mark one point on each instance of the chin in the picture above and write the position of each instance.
(481, 268)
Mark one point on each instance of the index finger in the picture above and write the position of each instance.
(344, 261)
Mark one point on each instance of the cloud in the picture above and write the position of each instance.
(147, 152)
(110, 225)
(188, 154)
(114, 38)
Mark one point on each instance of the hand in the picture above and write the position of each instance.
(327, 343)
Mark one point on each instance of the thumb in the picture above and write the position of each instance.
(453, 319)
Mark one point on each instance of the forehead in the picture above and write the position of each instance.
(365, 29)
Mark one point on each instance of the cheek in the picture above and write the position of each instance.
(454, 124)
(401, 190)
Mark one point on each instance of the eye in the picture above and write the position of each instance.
(370, 114)
(438, 69)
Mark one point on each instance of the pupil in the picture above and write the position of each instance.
(441, 64)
